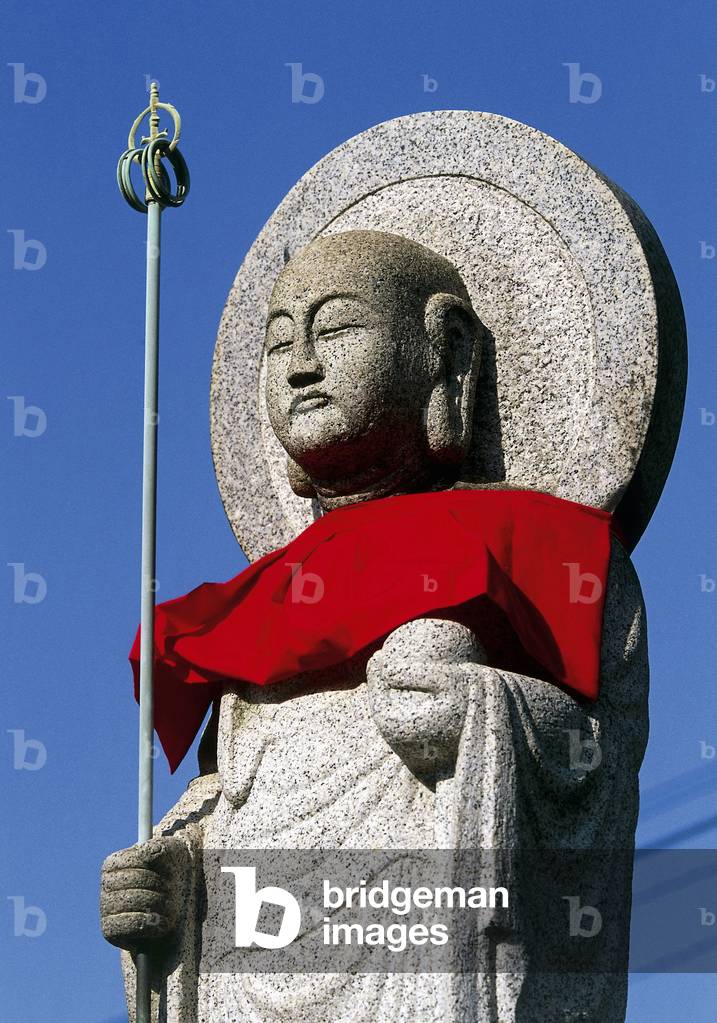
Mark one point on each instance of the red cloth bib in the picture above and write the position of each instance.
(526, 571)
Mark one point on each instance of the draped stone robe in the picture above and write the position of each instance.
(303, 765)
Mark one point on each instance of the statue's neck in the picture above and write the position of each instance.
(368, 487)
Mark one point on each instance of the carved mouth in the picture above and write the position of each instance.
(308, 402)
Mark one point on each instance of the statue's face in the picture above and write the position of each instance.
(346, 381)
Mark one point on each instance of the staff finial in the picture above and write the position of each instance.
(150, 152)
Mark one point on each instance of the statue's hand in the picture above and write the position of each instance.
(418, 690)
(141, 893)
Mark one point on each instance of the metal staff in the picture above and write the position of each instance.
(158, 194)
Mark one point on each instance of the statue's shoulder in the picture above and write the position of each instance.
(624, 604)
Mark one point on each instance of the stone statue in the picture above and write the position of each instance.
(375, 364)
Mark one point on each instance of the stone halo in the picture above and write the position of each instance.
(582, 385)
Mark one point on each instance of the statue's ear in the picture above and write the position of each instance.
(456, 336)
(298, 480)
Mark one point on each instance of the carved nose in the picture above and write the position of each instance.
(304, 367)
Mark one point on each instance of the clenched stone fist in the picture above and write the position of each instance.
(141, 893)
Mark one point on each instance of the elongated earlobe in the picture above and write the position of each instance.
(456, 335)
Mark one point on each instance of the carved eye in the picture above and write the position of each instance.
(279, 334)
(335, 331)
(339, 315)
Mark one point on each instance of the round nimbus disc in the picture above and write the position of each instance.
(582, 381)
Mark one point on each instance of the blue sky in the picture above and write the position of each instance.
(74, 331)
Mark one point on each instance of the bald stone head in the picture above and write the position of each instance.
(372, 352)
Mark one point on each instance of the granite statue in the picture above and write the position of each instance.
(380, 374)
